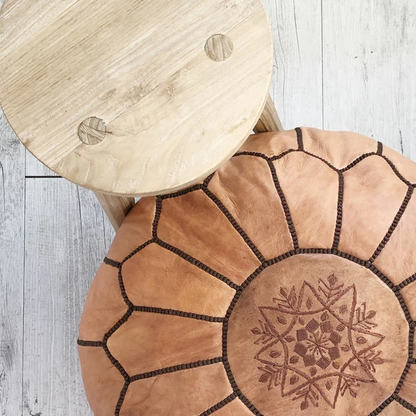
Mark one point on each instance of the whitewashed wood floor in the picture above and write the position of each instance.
(339, 65)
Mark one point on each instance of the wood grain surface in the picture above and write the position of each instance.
(60, 264)
(12, 258)
(318, 80)
(173, 101)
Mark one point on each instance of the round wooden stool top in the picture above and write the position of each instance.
(134, 98)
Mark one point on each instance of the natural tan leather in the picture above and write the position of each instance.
(373, 195)
(187, 392)
(102, 380)
(284, 285)
(395, 409)
(103, 301)
(230, 257)
(175, 337)
(311, 191)
(339, 336)
(180, 285)
(245, 206)
(401, 242)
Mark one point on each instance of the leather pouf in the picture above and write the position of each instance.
(282, 285)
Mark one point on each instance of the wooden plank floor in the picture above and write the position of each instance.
(338, 66)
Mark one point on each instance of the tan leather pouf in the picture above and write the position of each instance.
(284, 284)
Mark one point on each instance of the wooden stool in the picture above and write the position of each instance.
(135, 98)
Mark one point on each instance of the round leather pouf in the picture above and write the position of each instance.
(284, 284)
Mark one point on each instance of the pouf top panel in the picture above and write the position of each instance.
(283, 284)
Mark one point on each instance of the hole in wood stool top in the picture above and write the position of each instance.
(219, 48)
(92, 131)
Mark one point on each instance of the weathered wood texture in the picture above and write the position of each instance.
(325, 76)
(126, 100)
(297, 78)
(12, 247)
(116, 207)
(369, 65)
(65, 243)
(269, 120)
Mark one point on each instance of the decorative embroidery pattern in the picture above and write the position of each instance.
(335, 347)
(318, 343)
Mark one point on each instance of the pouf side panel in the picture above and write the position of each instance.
(194, 224)
(150, 342)
(396, 409)
(246, 188)
(409, 296)
(408, 390)
(158, 278)
(235, 408)
(338, 148)
(135, 231)
(405, 166)
(372, 198)
(103, 382)
(311, 192)
(104, 305)
(271, 144)
(401, 242)
(187, 392)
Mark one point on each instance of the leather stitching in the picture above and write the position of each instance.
(239, 289)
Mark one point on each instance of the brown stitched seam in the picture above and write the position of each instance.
(396, 171)
(120, 273)
(175, 368)
(112, 263)
(174, 312)
(256, 154)
(122, 397)
(366, 264)
(404, 403)
(382, 406)
(193, 188)
(264, 265)
(407, 282)
(299, 137)
(140, 248)
(196, 263)
(158, 212)
(94, 344)
(112, 359)
(350, 166)
(286, 152)
(285, 206)
(379, 148)
(321, 159)
(411, 343)
(403, 303)
(123, 289)
(393, 226)
(115, 362)
(235, 225)
(358, 160)
(263, 156)
(338, 224)
(208, 180)
(227, 366)
(219, 405)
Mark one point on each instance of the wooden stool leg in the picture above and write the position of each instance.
(269, 120)
(116, 207)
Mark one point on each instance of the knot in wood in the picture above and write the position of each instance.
(92, 131)
(219, 48)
